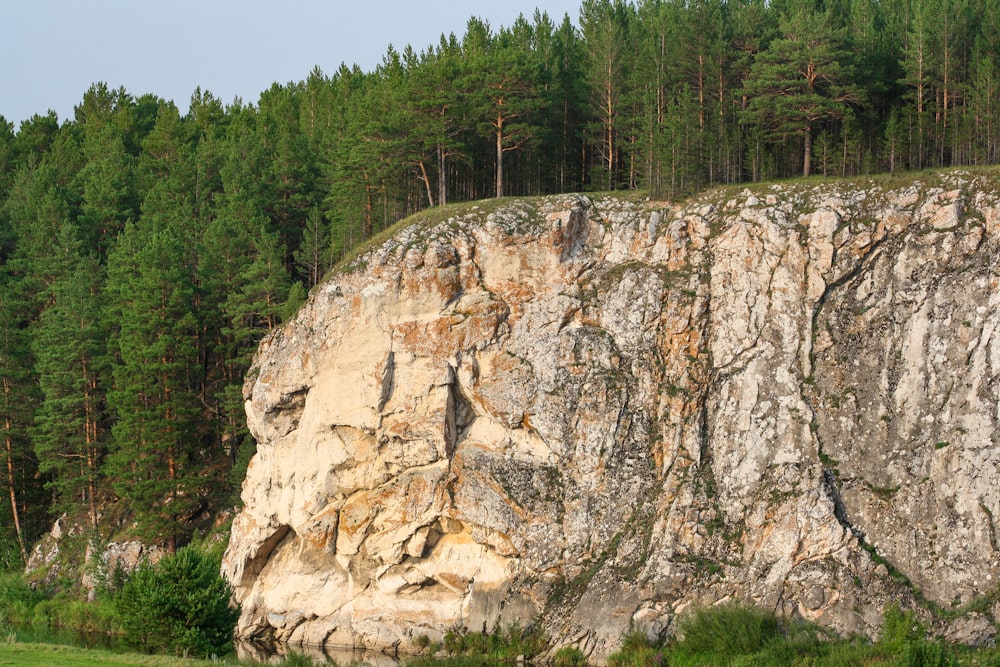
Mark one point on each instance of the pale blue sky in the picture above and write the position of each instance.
(51, 51)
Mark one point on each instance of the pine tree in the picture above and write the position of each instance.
(7, 156)
(246, 286)
(503, 91)
(606, 26)
(69, 342)
(24, 504)
(313, 257)
(348, 159)
(290, 169)
(802, 80)
(156, 463)
(568, 101)
(109, 192)
(434, 112)
(35, 138)
(984, 93)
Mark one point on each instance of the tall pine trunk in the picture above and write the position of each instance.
(807, 147)
(12, 485)
(499, 158)
(442, 180)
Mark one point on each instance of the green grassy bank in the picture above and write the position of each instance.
(46, 655)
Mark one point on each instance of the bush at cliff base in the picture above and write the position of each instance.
(180, 605)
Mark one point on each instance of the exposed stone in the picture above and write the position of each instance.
(118, 559)
(594, 413)
(45, 556)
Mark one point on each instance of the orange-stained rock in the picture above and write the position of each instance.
(596, 413)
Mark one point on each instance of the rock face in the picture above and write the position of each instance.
(595, 412)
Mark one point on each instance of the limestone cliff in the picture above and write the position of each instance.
(596, 411)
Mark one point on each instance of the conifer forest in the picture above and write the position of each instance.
(144, 253)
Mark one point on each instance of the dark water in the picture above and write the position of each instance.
(245, 651)
(275, 653)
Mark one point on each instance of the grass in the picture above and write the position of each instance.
(32, 655)
(425, 219)
(730, 635)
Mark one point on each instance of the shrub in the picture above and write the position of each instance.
(569, 656)
(729, 630)
(904, 639)
(503, 644)
(850, 653)
(18, 600)
(899, 628)
(516, 640)
(10, 554)
(925, 653)
(179, 605)
(296, 659)
(454, 642)
(451, 661)
(637, 651)
(86, 617)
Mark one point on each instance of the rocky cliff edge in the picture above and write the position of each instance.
(595, 412)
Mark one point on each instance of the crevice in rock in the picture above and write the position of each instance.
(388, 380)
(573, 236)
(623, 423)
(256, 564)
(990, 526)
(873, 253)
(704, 444)
(731, 369)
(460, 416)
(830, 486)
(830, 480)
(832, 489)
(285, 413)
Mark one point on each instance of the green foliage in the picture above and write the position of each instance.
(65, 613)
(10, 554)
(728, 629)
(637, 651)
(904, 639)
(154, 457)
(18, 600)
(239, 470)
(297, 659)
(452, 661)
(505, 643)
(69, 341)
(569, 656)
(733, 636)
(899, 629)
(47, 655)
(801, 80)
(180, 605)
(22, 505)
(926, 654)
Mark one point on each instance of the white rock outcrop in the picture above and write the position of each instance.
(596, 412)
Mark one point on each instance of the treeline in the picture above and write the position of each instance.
(145, 252)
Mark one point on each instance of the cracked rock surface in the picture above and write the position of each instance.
(595, 412)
